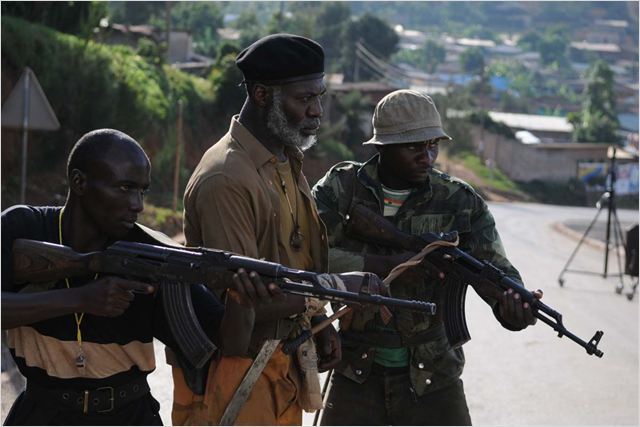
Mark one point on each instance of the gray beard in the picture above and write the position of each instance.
(279, 126)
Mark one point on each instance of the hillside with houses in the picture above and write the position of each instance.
(537, 92)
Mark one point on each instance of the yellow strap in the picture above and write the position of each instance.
(75, 315)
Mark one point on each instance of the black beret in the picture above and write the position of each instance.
(281, 58)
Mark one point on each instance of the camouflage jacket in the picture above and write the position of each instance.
(443, 203)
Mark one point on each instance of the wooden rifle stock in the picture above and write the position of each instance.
(368, 226)
(35, 262)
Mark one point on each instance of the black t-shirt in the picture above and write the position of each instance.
(117, 349)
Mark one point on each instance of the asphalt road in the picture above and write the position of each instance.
(532, 377)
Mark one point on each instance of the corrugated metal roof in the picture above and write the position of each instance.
(596, 47)
(532, 122)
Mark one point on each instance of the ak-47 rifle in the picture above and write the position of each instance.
(368, 226)
(172, 269)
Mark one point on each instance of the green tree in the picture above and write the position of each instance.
(353, 106)
(428, 57)
(331, 23)
(246, 19)
(299, 19)
(249, 26)
(227, 48)
(472, 60)
(553, 45)
(202, 19)
(480, 32)
(597, 121)
(434, 55)
(151, 51)
(228, 94)
(343, 139)
(523, 82)
(530, 40)
(137, 12)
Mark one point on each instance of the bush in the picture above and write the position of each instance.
(162, 219)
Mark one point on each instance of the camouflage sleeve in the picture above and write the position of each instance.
(326, 193)
(485, 244)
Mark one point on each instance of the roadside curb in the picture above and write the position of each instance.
(572, 234)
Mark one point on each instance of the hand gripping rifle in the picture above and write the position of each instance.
(174, 270)
(368, 226)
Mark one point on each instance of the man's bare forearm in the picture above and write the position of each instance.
(27, 308)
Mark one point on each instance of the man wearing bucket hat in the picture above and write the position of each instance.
(402, 371)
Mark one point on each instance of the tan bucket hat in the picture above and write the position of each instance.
(406, 116)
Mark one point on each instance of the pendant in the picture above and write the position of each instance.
(81, 360)
(296, 239)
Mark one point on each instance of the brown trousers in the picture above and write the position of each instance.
(273, 400)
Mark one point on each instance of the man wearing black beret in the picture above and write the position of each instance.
(249, 196)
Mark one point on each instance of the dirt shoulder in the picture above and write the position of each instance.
(455, 168)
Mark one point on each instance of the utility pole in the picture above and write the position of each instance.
(25, 131)
(356, 66)
(176, 170)
(280, 16)
(167, 29)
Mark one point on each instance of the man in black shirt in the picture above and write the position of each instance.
(86, 346)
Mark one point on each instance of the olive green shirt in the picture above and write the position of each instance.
(441, 204)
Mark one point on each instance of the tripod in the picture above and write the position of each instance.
(607, 200)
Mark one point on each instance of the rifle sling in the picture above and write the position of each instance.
(392, 340)
(243, 391)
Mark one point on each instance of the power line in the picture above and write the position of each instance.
(390, 68)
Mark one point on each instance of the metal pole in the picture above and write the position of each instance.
(325, 387)
(176, 171)
(612, 184)
(582, 239)
(356, 70)
(25, 130)
(167, 29)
